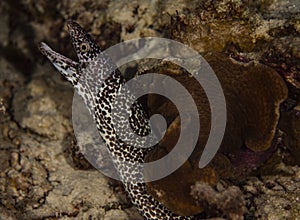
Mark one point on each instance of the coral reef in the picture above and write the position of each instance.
(39, 179)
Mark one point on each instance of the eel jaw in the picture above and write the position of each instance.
(67, 67)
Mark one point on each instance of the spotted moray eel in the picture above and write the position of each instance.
(96, 79)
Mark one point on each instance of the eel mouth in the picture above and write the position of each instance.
(75, 31)
(56, 58)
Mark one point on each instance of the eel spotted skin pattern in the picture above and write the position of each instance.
(97, 81)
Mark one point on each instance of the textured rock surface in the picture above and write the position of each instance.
(37, 173)
(38, 178)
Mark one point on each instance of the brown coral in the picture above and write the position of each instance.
(253, 94)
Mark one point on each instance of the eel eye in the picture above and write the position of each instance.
(84, 47)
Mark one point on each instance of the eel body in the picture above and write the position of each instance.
(98, 82)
